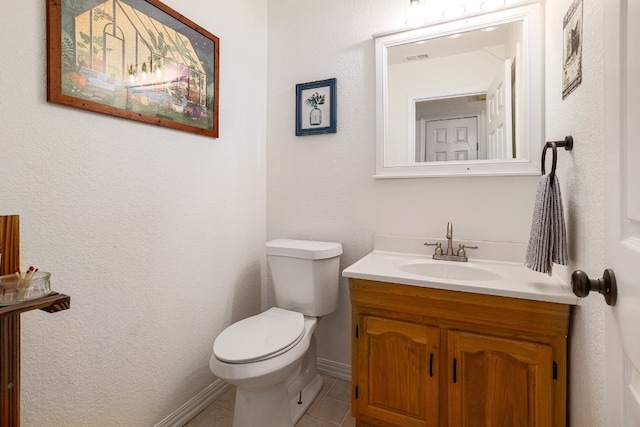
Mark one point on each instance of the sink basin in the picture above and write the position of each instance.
(449, 270)
(500, 271)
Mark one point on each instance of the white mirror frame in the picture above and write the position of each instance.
(531, 16)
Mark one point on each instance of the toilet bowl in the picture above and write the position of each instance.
(269, 388)
(271, 357)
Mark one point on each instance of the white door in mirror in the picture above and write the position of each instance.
(452, 139)
(498, 107)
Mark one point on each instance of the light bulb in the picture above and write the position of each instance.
(491, 4)
(454, 11)
(415, 14)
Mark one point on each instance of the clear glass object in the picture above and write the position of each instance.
(315, 116)
(14, 290)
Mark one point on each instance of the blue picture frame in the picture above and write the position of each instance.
(316, 107)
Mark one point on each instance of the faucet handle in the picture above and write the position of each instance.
(461, 249)
(438, 250)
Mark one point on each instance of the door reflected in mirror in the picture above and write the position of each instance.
(461, 97)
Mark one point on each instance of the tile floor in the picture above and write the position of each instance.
(331, 408)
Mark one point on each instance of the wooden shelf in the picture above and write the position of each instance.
(10, 323)
(51, 304)
(10, 352)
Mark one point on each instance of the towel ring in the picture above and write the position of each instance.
(555, 158)
(567, 144)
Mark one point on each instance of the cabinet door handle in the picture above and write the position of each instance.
(431, 365)
(455, 373)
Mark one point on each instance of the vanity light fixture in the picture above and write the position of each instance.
(488, 5)
(454, 11)
(416, 13)
(419, 12)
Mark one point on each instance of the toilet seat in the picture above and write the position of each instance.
(260, 337)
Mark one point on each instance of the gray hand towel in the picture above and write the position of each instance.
(548, 238)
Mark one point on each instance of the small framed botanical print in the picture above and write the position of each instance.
(316, 107)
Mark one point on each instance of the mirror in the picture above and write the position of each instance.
(461, 97)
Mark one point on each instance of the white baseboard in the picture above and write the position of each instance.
(199, 403)
(195, 405)
(334, 369)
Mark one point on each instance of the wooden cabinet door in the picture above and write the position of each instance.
(398, 372)
(498, 382)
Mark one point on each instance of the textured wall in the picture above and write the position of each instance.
(581, 114)
(157, 235)
(321, 186)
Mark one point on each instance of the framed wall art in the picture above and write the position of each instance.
(572, 49)
(135, 59)
(316, 107)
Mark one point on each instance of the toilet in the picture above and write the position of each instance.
(271, 357)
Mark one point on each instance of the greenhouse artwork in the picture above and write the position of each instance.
(137, 59)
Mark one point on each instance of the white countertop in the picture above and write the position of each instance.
(517, 281)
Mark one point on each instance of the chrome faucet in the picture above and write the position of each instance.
(448, 255)
(449, 239)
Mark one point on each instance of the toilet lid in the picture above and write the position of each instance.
(261, 336)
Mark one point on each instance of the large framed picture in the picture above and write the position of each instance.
(316, 107)
(135, 59)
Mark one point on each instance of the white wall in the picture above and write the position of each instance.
(157, 235)
(321, 186)
(581, 174)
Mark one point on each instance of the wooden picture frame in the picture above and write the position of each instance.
(316, 107)
(135, 59)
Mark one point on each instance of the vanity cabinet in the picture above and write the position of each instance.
(428, 357)
(397, 371)
(498, 381)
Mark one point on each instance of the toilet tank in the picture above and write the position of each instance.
(305, 275)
